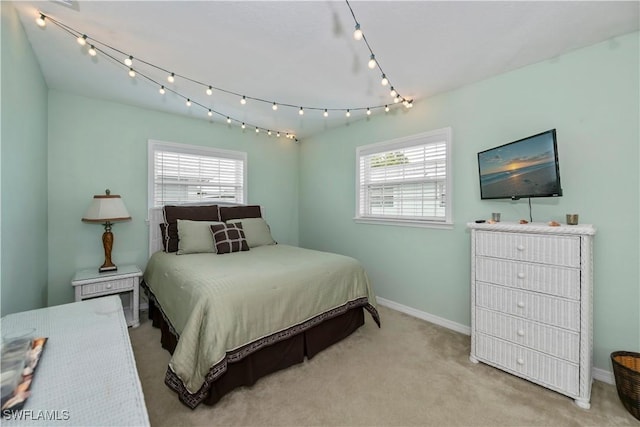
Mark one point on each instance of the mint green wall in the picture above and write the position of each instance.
(24, 171)
(95, 144)
(590, 96)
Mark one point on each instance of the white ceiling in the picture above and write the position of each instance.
(303, 53)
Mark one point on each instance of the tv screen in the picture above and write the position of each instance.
(524, 168)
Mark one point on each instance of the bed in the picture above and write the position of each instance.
(235, 308)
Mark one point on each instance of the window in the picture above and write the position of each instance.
(180, 174)
(406, 181)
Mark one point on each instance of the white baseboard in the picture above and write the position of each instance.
(432, 318)
(597, 373)
(603, 375)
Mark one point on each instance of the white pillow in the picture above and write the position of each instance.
(256, 231)
(195, 237)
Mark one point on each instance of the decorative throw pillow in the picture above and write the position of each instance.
(235, 212)
(256, 230)
(173, 213)
(229, 238)
(194, 237)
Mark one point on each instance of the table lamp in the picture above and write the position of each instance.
(106, 209)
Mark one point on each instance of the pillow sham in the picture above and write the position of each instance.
(256, 231)
(229, 238)
(194, 237)
(235, 212)
(173, 213)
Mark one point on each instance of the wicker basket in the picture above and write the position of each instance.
(626, 369)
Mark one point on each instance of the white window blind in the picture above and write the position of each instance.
(181, 174)
(406, 180)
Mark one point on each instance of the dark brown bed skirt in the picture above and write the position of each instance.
(271, 358)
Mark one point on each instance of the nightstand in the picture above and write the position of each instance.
(91, 284)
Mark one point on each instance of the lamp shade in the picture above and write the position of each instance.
(106, 208)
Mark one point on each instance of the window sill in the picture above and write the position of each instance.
(405, 223)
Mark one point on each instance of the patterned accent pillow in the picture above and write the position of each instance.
(229, 238)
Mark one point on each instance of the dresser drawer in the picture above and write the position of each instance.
(537, 367)
(554, 311)
(108, 286)
(537, 336)
(555, 250)
(553, 280)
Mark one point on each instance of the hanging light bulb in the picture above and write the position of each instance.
(357, 34)
(209, 91)
(301, 111)
(278, 134)
(372, 61)
(128, 61)
(210, 113)
(384, 80)
(386, 108)
(396, 99)
(243, 126)
(162, 91)
(368, 111)
(171, 78)
(92, 51)
(228, 120)
(82, 40)
(274, 107)
(257, 130)
(269, 132)
(243, 100)
(410, 103)
(132, 73)
(41, 20)
(393, 92)
(405, 103)
(348, 113)
(326, 113)
(188, 102)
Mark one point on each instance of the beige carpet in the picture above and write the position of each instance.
(409, 372)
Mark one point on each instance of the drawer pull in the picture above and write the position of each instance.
(520, 361)
(520, 332)
(521, 304)
(520, 248)
(520, 275)
(108, 286)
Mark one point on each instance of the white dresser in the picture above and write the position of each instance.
(531, 303)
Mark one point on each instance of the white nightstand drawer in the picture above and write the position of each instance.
(556, 250)
(549, 279)
(108, 286)
(554, 311)
(537, 367)
(547, 339)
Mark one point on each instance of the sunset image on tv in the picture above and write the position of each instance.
(524, 168)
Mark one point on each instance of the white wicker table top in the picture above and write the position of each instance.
(87, 374)
(535, 227)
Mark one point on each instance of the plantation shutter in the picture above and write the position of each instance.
(182, 175)
(406, 180)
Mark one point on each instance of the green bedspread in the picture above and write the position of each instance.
(221, 303)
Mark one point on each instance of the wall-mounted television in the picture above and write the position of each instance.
(524, 168)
